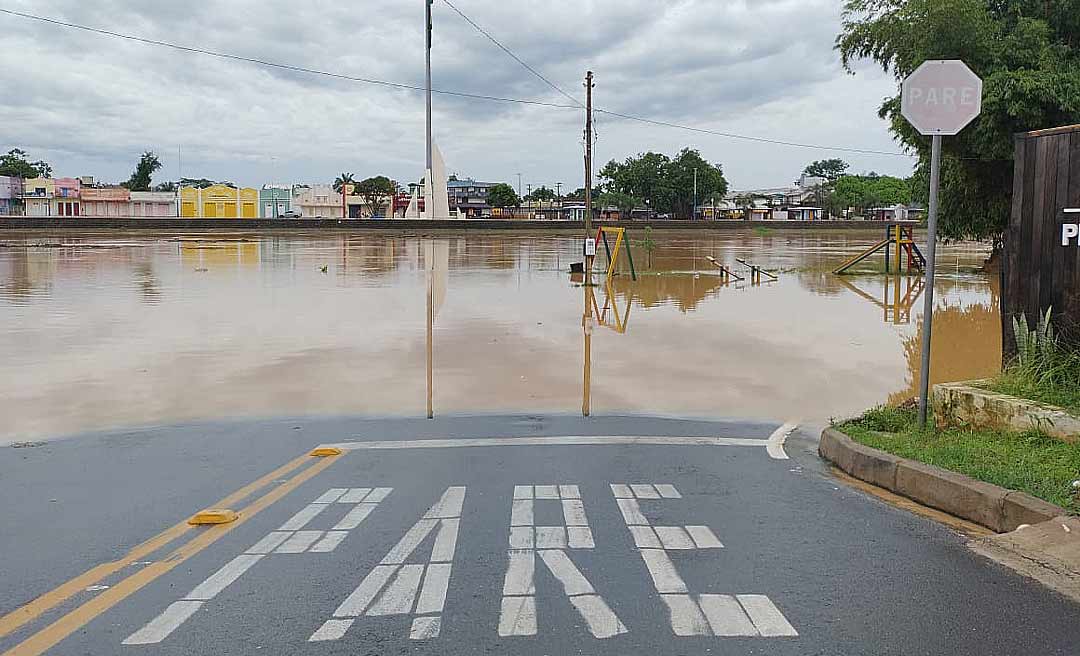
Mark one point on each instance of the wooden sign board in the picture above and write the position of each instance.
(1041, 267)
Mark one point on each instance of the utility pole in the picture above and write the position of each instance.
(693, 211)
(519, 184)
(529, 187)
(180, 179)
(586, 404)
(588, 167)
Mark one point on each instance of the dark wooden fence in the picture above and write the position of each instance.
(1038, 272)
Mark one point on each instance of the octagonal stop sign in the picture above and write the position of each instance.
(941, 97)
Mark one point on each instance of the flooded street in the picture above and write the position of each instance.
(103, 331)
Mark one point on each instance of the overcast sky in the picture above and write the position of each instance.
(91, 104)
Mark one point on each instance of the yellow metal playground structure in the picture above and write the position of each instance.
(900, 236)
(613, 253)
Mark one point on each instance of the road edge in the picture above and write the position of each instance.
(999, 509)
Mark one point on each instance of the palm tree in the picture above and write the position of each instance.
(342, 186)
(343, 179)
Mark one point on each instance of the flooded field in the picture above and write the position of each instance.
(103, 330)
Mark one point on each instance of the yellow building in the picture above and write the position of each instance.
(219, 202)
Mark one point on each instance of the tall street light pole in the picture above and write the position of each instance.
(430, 157)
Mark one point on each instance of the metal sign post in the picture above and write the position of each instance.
(939, 99)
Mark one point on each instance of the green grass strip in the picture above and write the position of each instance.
(1030, 462)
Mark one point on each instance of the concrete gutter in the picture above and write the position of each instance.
(996, 508)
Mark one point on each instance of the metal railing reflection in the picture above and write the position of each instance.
(899, 295)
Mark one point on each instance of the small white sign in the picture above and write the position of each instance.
(590, 248)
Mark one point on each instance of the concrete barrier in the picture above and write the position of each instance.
(996, 508)
(407, 225)
(967, 404)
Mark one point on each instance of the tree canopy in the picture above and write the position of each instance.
(540, 195)
(865, 192)
(666, 184)
(624, 202)
(14, 164)
(201, 183)
(374, 192)
(503, 195)
(1028, 55)
(830, 169)
(142, 177)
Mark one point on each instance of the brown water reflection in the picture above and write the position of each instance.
(105, 331)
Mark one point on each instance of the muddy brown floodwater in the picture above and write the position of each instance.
(101, 330)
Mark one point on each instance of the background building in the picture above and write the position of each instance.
(219, 202)
(275, 201)
(317, 202)
(469, 197)
(105, 202)
(66, 197)
(37, 196)
(11, 189)
(151, 204)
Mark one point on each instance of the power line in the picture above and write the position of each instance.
(663, 123)
(511, 54)
(263, 62)
(460, 94)
(743, 137)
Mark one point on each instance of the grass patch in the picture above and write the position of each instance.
(1015, 383)
(1030, 462)
(1044, 370)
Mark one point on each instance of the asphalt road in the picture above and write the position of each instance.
(554, 542)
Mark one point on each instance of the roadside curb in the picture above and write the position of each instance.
(996, 508)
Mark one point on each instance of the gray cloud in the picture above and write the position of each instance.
(91, 104)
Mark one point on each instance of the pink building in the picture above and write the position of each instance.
(150, 204)
(105, 202)
(66, 197)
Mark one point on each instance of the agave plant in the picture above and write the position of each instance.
(1037, 345)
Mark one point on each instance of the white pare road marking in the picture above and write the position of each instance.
(775, 443)
(593, 440)
(398, 587)
(290, 538)
(517, 616)
(693, 614)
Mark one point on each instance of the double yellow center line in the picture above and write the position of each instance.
(48, 637)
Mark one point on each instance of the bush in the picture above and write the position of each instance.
(1044, 370)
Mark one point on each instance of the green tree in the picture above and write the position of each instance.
(830, 169)
(540, 195)
(667, 184)
(166, 187)
(142, 177)
(1028, 54)
(624, 202)
(14, 164)
(198, 183)
(503, 195)
(375, 192)
(864, 192)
